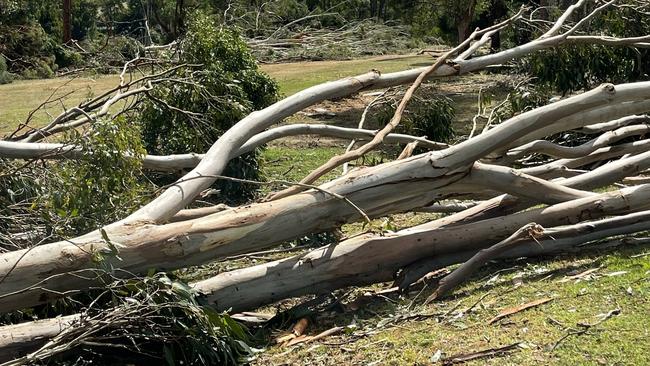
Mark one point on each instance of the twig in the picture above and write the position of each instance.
(514, 310)
(585, 327)
(490, 352)
(362, 121)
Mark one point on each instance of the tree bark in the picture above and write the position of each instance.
(369, 259)
(67, 22)
(42, 273)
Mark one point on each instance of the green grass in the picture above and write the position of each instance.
(294, 77)
(620, 340)
(291, 164)
(19, 98)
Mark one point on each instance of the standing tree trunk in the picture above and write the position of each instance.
(463, 21)
(67, 27)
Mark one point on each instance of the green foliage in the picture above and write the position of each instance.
(5, 76)
(192, 116)
(575, 67)
(65, 57)
(441, 18)
(31, 32)
(152, 320)
(84, 18)
(571, 68)
(18, 188)
(429, 114)
(100, 187)
(26, 46)
(431, 117)
(527, 97)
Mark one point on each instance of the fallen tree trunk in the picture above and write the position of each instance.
(20, 339)
(42, 273)
(178, 162)
(533, 234)
(369, 258)
(16, 340)
(162, 236)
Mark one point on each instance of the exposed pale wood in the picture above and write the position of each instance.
(176, 162)
(419, 180)
(15, 339)
(558, 151)
(370, 258)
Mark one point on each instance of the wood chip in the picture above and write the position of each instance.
(300, 327)
(327, 333)
(297, 340)
(284, 338)
(308, 339)
(513, 310)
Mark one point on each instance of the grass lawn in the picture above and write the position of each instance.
(19, 98)
(294, 77)
(397, 330)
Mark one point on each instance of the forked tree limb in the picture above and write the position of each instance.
(612, 125)
(522, 185)
(558, 151)
(508, 204)
(460, 274)
(533, 234)
(557, 167)
(97, 107)
(348, 156)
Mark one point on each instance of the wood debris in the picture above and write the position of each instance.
(490, 352)
(516, 309)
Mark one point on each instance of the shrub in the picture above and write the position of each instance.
(65, 57)
(427, 114)
(226, 88)
(5, 76)
(28, 44)
(431, 117)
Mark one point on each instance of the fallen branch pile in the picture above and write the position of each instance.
(165, 235)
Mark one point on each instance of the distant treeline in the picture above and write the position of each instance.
(39, 37)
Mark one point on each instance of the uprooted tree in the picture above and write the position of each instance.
(557, 155)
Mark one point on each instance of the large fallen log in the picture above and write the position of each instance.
(17, 340)
(157, 236)
(49, 271)
(370, 258)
